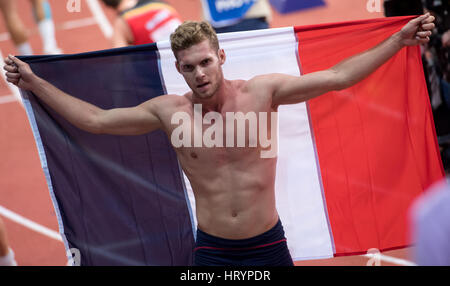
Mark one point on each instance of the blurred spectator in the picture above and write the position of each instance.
(430, 225)
(251, 15)
(6, 253)
(436, 62)
(446, 39)
(142, 21)
(439, 46)
(18, 32)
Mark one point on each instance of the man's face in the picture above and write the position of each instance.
(201, 67)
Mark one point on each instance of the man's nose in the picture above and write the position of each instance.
(199, 73)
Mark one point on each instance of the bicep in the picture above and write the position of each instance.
(291, 89)
(136, 120)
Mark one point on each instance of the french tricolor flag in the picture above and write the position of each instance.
(350, 163)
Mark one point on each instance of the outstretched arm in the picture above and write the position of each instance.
(290, 89)
(120, 121)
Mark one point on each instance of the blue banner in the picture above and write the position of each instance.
(120, 200)
(289, 6)
(227, 11)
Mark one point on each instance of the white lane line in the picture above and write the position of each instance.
(100, 17)
(390, 259)
(80, 23)
(67, 25)
(15, 91)
(29, 224)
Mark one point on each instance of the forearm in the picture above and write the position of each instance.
(357, 68)
(80, 113)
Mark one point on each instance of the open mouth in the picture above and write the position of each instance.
(202, 85)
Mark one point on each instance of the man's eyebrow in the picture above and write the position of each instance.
(191, 64)
(183, 63)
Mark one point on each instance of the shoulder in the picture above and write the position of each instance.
(265, 81)
(168, 103)
(170, 100)
(163, 106)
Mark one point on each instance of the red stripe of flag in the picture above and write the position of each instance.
(376, 141)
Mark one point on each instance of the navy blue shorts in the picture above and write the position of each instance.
(267, 249)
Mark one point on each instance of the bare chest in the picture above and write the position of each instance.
(237, 130)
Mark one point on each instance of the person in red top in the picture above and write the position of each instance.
(142, 21)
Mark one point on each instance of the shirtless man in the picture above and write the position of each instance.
(238, 222)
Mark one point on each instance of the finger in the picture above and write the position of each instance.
(428, 20)
(16, 60)
(423, 34)
(420, 18)
(10, 68)
(12, 80)
(8, 61)
(13, 75)
(428, 26)
(423, 40)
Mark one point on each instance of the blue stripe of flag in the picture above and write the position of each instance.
(121, 198)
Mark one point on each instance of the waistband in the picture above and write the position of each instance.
(273, 236)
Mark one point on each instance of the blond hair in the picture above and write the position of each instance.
(191, 33)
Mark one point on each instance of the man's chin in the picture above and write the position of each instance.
(204, 95)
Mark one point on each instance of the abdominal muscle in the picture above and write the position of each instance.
(234, 198)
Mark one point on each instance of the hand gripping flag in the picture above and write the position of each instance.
(350, 162)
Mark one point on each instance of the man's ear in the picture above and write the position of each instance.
(222, 56)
